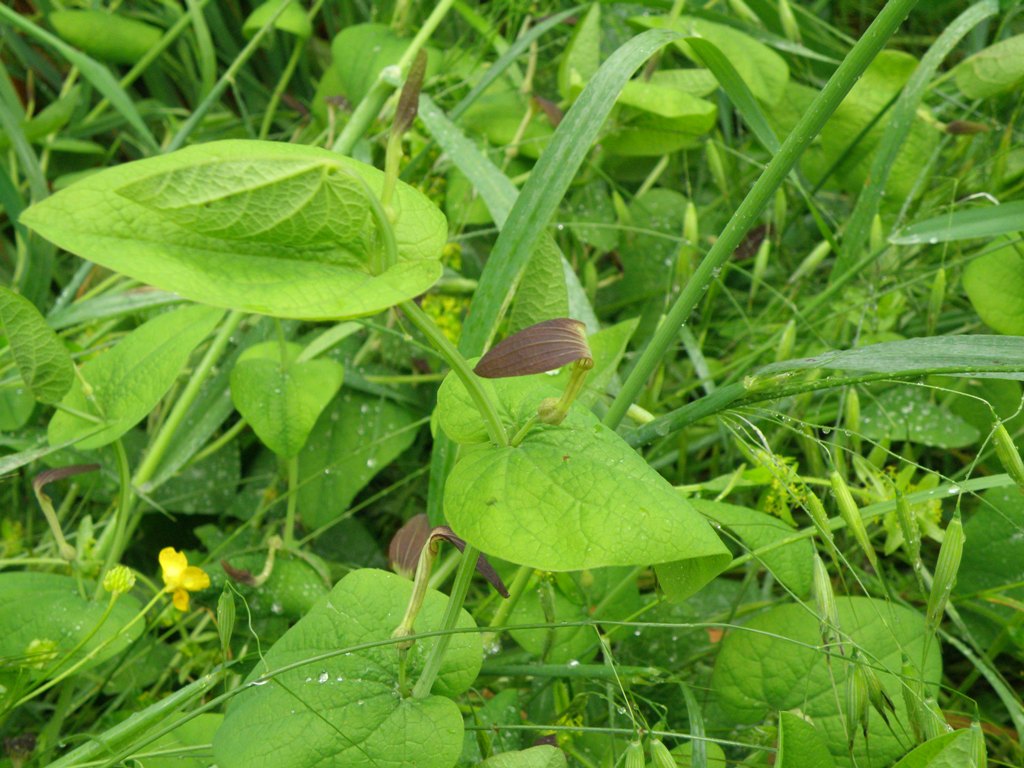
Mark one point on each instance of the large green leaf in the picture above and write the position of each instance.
(42, 360)
(106, 36)
(994, 283)
(282, 399)
(544, 756)
(49, 608)
(994, 70)
(800, 745)
(361, 51)
(571, 496)
(908, 413)
(790, 564)
(280, 229)
(763, 70)
(774, 663)
(950, 750)
(347, 709)
(355, 438)
(191, 740)
(128, 380)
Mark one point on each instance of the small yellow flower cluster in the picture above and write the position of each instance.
(180, 578)
(446, 312)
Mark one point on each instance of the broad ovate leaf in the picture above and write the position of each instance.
(44, 618)
(283, 398)
(773, 663)
(279, 229)
(347, 709)
(571, 496)
(128, 380)
(994, 282)
(42, 360)
(993, 70)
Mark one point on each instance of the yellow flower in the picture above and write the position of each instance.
(180, 577)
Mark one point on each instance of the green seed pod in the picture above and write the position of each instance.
(788, 21)
(933, 720)
(635, 755)
(1008, 454)
(857, 702)
(660, 755)
(978, 739)
(912, 691)
(820, 519)
(851, 515)
(909, 528)
(936, 297)
(779, 212)
(743, 11)
(946, 568)
(717, 167)
(825, 601)
(812, 261)
(225, 619)
(784, 350)
(876, 238)
(877, 696)
(851, 417)
(691, 224)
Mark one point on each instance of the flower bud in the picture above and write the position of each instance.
(1009, 456)
(119, 579)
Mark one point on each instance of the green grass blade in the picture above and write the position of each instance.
(548, 182)
(92, 70)
(964, 225)
(902, 119)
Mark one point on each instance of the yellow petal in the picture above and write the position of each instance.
(193, 579)
(172, 564)
(180, 599)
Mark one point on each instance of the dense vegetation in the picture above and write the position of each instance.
(735, 480)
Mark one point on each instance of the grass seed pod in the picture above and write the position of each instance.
(661, 757)
(784, 350)
(876, 238)
(757, 272)
(946, 568)
(1009, 456)
(978, 742)
(635, 755)
(743, 11)
(812, 261)
(857, 702)
(788, 21)
(909, 528)
(912, 691)
(825, 601)
(934, 721)
(936, 297)
(717, 167)
(851, 515)
(851, 417)
(816, 510)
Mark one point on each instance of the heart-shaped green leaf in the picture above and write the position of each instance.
(773, 663)
(47, 608)
(355, 438)
(361, 51)
(800, 745)
(282, 399)
(280, 229)
(544, 756)
(347, 709)
(950, 750)
(994, 283)
(129, 380)
(571, 496)
(42, 359)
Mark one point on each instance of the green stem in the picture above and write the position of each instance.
(125, 502)
(293, 500)
(373, 102)
(158, 448)
(419, 318)
(460, 589)
(760, 195)
(515, 592)
(282, 83)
